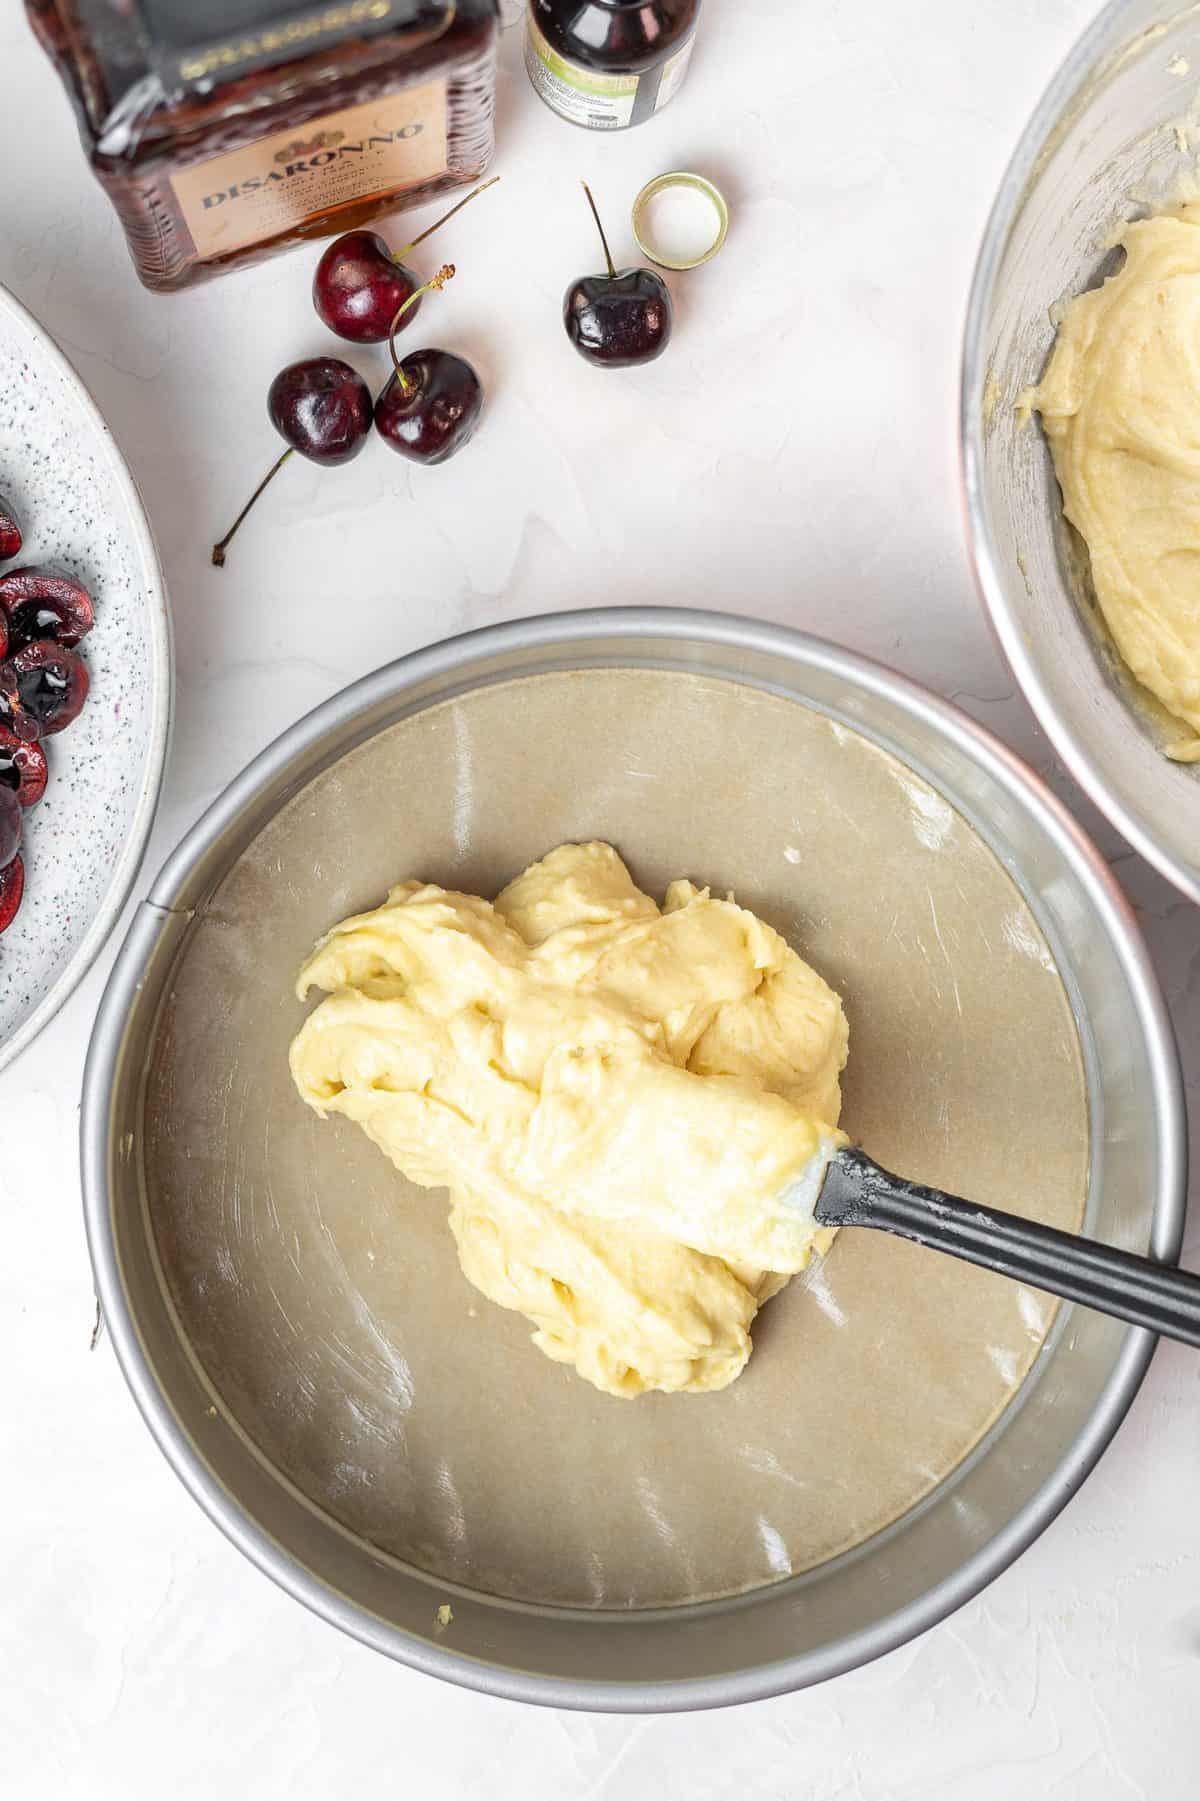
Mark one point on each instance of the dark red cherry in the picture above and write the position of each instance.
(618, 319)
(44, 683)
(10, 826)
(44, 603)
(12, 887)
(360, 285)
(22, 768)
(10, 532)
(322, 407)
(359, 288)
(430, 408)
(621, 320)
(432, 403)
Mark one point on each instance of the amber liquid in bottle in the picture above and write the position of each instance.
(225, 173)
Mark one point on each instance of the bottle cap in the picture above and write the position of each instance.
(680, 220)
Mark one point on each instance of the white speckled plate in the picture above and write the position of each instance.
(79, 508)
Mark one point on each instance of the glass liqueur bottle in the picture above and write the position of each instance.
(223, 130)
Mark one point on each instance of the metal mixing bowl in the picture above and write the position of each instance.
(898, 1582)
(1111, 140)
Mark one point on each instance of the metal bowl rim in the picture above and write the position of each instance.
(567, 630)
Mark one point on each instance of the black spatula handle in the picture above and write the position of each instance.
(857, 1192)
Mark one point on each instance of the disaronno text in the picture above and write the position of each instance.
(308, 165)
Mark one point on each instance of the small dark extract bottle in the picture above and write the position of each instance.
(609, 64)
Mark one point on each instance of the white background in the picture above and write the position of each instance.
(793, 456)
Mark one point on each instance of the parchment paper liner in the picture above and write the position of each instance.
(323, 1295)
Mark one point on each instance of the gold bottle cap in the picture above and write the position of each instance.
(680, 220)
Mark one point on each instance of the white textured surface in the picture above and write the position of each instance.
(792, 456)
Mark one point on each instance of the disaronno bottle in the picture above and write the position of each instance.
(223, 130)
(609, 64)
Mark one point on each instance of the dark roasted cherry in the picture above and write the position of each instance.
(10, 827)
(22, 768)
(10, 532)
(16, 722)
(618, 320)
(44, 603)
(431, 405)
(12, 887)
(360, 285)
(323, 408)
(44, 683)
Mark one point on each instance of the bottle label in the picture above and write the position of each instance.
(673, 72)
(603, 102)
(364, 152)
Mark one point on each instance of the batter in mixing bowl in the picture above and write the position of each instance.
(1120, 403)
(616, 1096)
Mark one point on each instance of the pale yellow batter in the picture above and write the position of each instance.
(617, 1098)
(1120, 403)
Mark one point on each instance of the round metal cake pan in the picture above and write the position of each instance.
(903, 1579)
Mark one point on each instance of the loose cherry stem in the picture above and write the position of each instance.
(398, 256)
(596, 216)
(444, 274)
(218, 550)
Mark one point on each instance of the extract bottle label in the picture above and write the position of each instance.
(598, 101)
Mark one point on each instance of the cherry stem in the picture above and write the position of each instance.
(444, 274)
(398, 256)
(218, 550)
(596, 216)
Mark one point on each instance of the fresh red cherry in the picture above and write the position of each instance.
(360, 285)
(618, 320)
(10, 826)
(433, 414)
(46, 684)
(431, 405)
(39, 602)
(22, 768)
(322, 407)
(10, 532)
(12, 887)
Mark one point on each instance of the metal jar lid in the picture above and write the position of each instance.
(668, 257)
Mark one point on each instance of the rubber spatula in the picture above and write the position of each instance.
(857, 1192)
